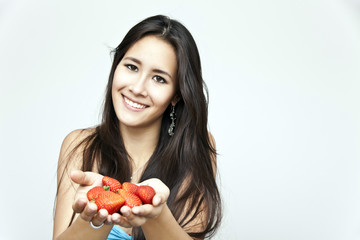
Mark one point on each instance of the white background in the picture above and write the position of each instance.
(284, 83)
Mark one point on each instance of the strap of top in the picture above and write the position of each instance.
(118, 234)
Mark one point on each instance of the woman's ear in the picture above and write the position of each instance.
(175, 99)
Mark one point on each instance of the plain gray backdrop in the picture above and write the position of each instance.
(284, 83)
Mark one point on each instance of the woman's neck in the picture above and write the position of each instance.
(139, 143)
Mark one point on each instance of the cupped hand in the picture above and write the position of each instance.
(138, 216)
(88, 211)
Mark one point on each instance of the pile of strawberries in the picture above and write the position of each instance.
(112, 196)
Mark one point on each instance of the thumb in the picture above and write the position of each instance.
(83, 178)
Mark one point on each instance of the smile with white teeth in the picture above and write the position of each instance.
(134, 104)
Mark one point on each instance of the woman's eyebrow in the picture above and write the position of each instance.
(154, 70)
(162, 72)
(133, 59)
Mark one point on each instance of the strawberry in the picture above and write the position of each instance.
(145, 193)
(131, 200)
(130, 187)
(114, 184)
(94, 192)
(110, 201)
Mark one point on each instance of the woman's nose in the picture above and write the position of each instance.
(138, 86)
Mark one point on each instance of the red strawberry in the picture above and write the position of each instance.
(114, 184)
(94, 192)
(145, 193)
(131, 200)
(110, 201)
(130, 187)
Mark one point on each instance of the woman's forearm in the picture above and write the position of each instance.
(164, 227)
(81, 229)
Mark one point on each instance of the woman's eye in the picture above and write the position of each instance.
(132, 67)
(159, 79)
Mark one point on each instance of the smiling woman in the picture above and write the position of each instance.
(153, 132)
(143, 87)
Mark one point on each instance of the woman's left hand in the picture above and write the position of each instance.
(138, 215)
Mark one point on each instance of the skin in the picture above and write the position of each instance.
(146, 76)
(136, 216)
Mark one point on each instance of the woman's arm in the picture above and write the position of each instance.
(165, 226)
(68, 192)
(156, 219)
(80, 228)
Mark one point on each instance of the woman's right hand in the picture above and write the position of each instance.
(88, 210)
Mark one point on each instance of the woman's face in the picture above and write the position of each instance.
(145, 83)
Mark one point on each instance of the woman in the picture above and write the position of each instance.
(153, 131)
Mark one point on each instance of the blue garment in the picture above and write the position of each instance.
(118, 234)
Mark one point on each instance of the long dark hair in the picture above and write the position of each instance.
(187, 156)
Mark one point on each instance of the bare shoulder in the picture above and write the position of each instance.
(212, 141)
(212, 146)
(71, 148)
(213, 153)
(74, 138)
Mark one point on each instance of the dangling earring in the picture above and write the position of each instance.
(172, 117)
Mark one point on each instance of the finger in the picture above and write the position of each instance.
(120, 220)
(83, 178)
(158, 199)
(89, 211)
(100, 217)
(135, 220)
(79, 205)
(108, 220)
(143, 210)
(125, 211)
(115, 217)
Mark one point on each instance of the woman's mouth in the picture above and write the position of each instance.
(133, 104)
